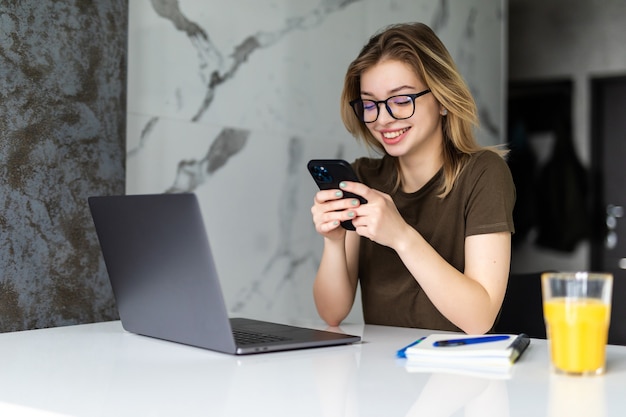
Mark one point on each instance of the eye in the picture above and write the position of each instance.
(368, 105)
(401, 100)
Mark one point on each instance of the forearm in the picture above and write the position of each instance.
(471, 300)
(334, 287)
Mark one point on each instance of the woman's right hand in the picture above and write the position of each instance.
(329, 209)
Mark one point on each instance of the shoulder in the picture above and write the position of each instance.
(488, 193)
(486, 173)
(487, 157)
(486, 161)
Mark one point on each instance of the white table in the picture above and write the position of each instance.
(101, 370)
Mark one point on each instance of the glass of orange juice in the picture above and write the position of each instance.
(577, 312)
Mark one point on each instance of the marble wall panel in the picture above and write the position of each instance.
(229, 100)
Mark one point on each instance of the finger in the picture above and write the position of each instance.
(360, 227)
(336, 205)
(341, 216)
(330, 226)
(325, 217)
(356, 188)
(327, 195)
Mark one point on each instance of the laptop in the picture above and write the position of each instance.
(165, 282)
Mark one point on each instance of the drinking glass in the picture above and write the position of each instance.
(577, 312)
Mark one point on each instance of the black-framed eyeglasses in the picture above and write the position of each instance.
(399, 107)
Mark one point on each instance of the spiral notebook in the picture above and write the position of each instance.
(484, 354)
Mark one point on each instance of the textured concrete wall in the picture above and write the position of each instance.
(62, 139)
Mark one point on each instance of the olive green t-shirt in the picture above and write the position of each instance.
(480, 202)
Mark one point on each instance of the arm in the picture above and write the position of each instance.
(336, 280)
(470, 299)
(335, 284)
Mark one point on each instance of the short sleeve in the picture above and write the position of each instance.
(490, 196)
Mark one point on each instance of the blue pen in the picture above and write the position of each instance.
(402, 352)
(470, 340)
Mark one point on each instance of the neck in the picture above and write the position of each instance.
(416, 172)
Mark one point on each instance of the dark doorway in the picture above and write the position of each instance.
(552, 207)
(608, 152)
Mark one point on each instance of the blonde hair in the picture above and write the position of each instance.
(416, 45)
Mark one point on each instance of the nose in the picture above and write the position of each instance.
(384, 114)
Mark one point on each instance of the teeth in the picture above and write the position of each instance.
(393, 135)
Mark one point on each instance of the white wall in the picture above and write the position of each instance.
(566, 39)
(231, 99)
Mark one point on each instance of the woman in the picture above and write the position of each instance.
(432, 245)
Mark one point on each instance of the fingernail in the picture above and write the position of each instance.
(350, 214)
(354, 202)
(342, 184)
(338, 193)
(335, 223)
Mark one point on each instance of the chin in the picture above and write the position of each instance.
(394, 150)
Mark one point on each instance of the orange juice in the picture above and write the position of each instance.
(578, 333)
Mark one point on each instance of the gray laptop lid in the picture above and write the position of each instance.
(164, 279)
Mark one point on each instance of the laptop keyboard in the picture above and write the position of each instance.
(243, 337)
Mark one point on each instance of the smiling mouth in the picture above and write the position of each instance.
(395, 134)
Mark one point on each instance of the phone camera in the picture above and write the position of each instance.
(322, 175)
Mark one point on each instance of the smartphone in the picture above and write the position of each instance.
(328, 173)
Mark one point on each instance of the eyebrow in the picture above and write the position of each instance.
(392, 92)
